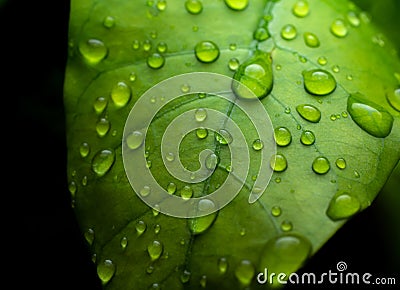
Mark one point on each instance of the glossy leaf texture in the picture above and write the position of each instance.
(330, 86)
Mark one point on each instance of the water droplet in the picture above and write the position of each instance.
(162, 47)
(105, 271)
(203, 281)
(393, 99)
(194, 6)
(102, 127)
(310, 39)
(322, 60)
(161, 5)
(288, 32)
(258, 145)
(309, 113)
(202, 223)
(336, 68)
(170, 156)
(89, 236)
(307, 137)
(356, 174)
(342, 206)
(185, 276)
(171, 188)
(212, 161)
(237, 5)
(132, 76)
(254, 74)
(353, 19)
(124, 243)
(121, 94)
(135, 140)
(232, 46)
(370, 117)
(288, 110)
(84, 149)
(155, 61)
(301, 8)
(102, 161)
(145, 191)
(286, 226)
(155, 249)
(244, 272)
(222, 265)
(135, 44)
(339, 28)
(186, 192)
(282, 136)
(109, 22)
(340, 163)
(260, 34)
(319, 82)
(93, 50)
(201, 133)
(223, 137)
(233, 64)
(242, 232)
(285, 253)
(185, 88)
(278, 163)
(72, 187)
(156, 210)
(84, 180)
(200, 114)
(278, 180)
(321, 165)
(206, 51)
(100, 104)
(147, 45)
(140, 227)
(157, 229)
(276, 211)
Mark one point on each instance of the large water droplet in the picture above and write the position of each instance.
(307, 137)
(301, 8)
(200, 224)
(278, 162)
(106, 271)
(155, 61)
(321, 165)
(102, 161)
(319, 82)
(309, 113)
(282, 136)
(288, 32)
(339, 28)
(206, 51)
(134, 140)
(310, 39)
(342, 206)
(193, 6)
(93, 50)
(155, 249)
(121, 94)
(370, 117)
(237, 5)
(244, 272)
(393, 99)
(254, 74)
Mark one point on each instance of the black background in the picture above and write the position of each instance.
(54, 253)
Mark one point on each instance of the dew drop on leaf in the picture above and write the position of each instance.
(135, 140)
(340, 163)
(370, 117)
(307, 137)
(222, 265)
(206, 51)
(288, 32)
(170, 156)
(162, 47)
(309, 113)
(93, 50)
(237, 5)
(155, 61)
(339, 28)
(140, 227)
(147, 45)
(102, 127)
(353, 19)
(211, 161)
(223, 137)
(260, 34)
(319, 82)
(201, 133)
(121, 94)
(109, 22)
(186, 192)
(145, 191)
(102, 161)
(124, 243)
(310, 39)
(276, 211)
(157, 229)
(155, 249)
(89, 236)
(244, 272)
(322, 60)
(185, 276)
(194, 6)
(278, 162)
(203, 281)
(233, 64)
(200, 224)
(135, 44)
(343, 206)
(200, 115)
(161, 5)
(105, 271)
(100, 104)
(301, 8)
(84, 149)
(258, 145)
(171, 188)
(321, 165)
(393, 99)
(72, 187)
(283, 137)
(286, 226)
(255, 74)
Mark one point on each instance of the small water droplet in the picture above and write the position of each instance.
(201, 133)
(162, 47)
(203, 281)
(286, 226)
(121, 94)
(301, 8)
(342, 206)
(307, 137)
(203, 222)
(103, 161)
(102, 127)
(321, 165)
(206, 51)
(132, 76)
(311, 40)
(157, 229)
(134, 140)
(222, 265)
(170, 156)
(223, 137)
(89, 236)
(145, 191)
(185, 88)
(147, 45)
(84, 149)
(339, 28)
(185, 276)
(242, 232)
(155, 249)
(232, 46)
(322, 60)
(211, 161)
(237, 5)
(84, 180)
(340, 163)
(276, 211)
(335, 68)
(319, 82)
(260, 34)
(258, 145)
(105, 271)
(288, 110)
(161, 5)
(370, 117)
(186, 192)
(233, 64)
(140, 227)
(194, 6)
(254, 74)
(156, 210)
(309, 112)
(155, 61)
(100, 104)
(288, 32)
(93, 50)
(72, 187)
(393, 99)
(171, 188)
(244, 272)
(278, 180)
(124, 243)
(200, 114)
(353, 18)
(356, 174)
(109, 22)
(283, 137)
(135, 44)
(278, 162)
(150, 270)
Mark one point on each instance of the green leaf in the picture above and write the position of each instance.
(329, 81)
